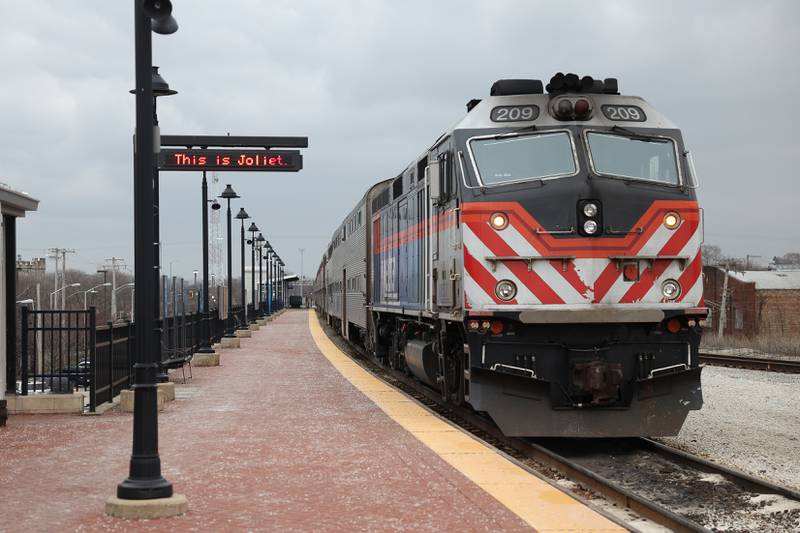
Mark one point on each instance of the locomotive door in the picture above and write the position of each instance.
(344, 303)
(403, 253)
(442, 267)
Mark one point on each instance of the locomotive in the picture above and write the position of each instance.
(540, 262)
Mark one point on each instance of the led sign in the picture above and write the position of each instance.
(230, 160)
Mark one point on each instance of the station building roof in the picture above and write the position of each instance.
(15, 202)
(770, 279)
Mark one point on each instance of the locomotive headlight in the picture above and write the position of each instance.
(590, 227)
(671, 289)
(499, 221)
(505, 290)
(590, 210)
(672, 220)
(564, 108)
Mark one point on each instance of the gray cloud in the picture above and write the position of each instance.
(372, 84)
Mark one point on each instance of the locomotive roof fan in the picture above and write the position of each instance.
(562, 83)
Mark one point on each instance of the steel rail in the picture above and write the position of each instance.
(751, 363)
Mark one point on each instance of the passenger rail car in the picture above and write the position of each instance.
(539, 262)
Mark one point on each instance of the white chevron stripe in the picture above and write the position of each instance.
(652, 247)
(544, 269)
(476, 296)
(479, 251)
(674, 271)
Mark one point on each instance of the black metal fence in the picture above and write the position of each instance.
(112, 365)
(64, 351)
(56, 350)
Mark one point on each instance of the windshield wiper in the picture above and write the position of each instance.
(638, 136)
(517, 131)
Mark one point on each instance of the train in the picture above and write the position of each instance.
(540, 262)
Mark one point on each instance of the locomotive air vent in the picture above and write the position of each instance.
(562, 83)
(509, 87)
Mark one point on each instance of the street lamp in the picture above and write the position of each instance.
(205, 320)
(269, 278)
(282, 283)
(242, 215)
(124, 286)
(253, 229)
(261, 240)
(145, 481)
(277, 282)
(160, 88)
(52, 294)
(229, 194)
(90, 291)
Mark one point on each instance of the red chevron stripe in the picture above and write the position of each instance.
(530, 279)
(606, 280)
(571, 275)
(482, 277)
(648, 277)
(690, 275)
(547, 244)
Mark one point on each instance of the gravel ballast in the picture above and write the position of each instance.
(750, 421)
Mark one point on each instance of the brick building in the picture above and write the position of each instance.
(758, 302)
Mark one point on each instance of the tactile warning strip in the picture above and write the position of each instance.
(534, 500)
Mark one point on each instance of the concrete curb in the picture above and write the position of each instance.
(230, 342)
(206, 359)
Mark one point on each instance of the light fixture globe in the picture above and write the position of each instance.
(165, 26)
(160, 85)
(261, 238)
(228, 193)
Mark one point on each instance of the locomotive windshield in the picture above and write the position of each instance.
(645, 158)
(523, 157)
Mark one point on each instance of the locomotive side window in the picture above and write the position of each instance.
(651, 159)
(522, 157)
(445, 176)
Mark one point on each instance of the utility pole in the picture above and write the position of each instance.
(38, 267)
(62, 254)
(747, 260)
(114, 262)
(723, 307)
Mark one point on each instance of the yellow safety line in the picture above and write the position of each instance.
(535, 501)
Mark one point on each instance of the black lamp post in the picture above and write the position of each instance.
(278, 278)
(229, 194)
(242, 215)
(145, 480)
(160, 87)
(205, 322)
(253, 229)
(261, 240)
(269, 278)
(283, 283)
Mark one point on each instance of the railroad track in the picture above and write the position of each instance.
(671, 488)
(752, 363)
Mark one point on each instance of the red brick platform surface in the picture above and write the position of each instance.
(274, 439)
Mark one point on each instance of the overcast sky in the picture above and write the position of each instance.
(372, 84)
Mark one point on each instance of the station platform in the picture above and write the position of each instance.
(287, 434)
